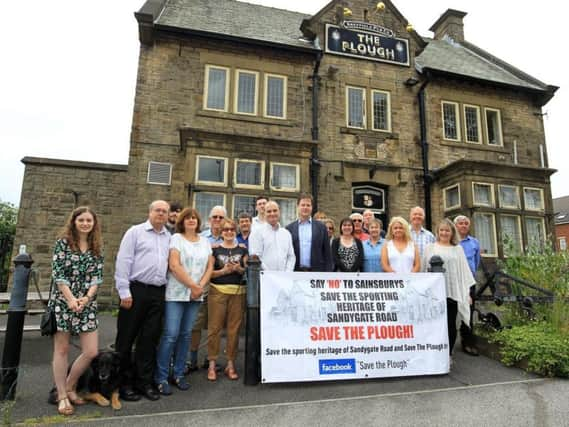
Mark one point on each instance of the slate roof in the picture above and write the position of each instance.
(237, 19)
(561, 210)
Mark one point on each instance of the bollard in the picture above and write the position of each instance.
(436, 263)
(253, 332)
(15, 325)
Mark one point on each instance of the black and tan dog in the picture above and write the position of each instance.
(100, 382)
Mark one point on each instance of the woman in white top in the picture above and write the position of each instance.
(458, 277)
(399, 254)
(190, 263)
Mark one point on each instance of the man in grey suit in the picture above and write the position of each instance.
(309, 239)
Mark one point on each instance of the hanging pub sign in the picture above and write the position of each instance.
(368, 197)
(366, 41)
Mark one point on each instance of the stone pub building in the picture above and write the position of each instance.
(234, 100)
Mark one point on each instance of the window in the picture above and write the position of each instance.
(508, 196)
(246, 99)
(472, 123)
(493, 126)
(482, 194)
(204, 202)
(288, 210)
(216, 88)
(511, 234)
(241, 204)
(381, 110)
(211, 170)
(535, 230)
(355, 107)
(451, 196)
(533, 199)
(275, 96)
(249, 174)
(562, 244)
(284, 177)
(159, 173)
(451, 129)
(485, 229)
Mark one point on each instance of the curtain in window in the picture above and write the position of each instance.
(494, 136)
(484, 227)
(275, 97)
(284, 176)
(248, 173)
(509, 197)
(535, 232)
(482, 195)
(243, 204)
(216, 88)
(533, 199)
(246, 93)
(288, 210)
(356, 107)
(510, 233)
(204, 202)
(452, 197)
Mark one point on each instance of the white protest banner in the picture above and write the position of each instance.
(331, 326)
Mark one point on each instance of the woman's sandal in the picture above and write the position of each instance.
(74, 398)
(211, 374)
(64, 407)
(231, 373)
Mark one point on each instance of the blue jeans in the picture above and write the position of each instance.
(179, 318)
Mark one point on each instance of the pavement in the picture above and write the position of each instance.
(478, 392)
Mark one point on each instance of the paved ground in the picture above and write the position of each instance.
(478, 391)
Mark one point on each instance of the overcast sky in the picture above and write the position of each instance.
(69, 67)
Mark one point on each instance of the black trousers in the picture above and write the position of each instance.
(452, 312)
(466, 335)
(141, 324)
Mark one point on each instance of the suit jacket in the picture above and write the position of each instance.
(320, 256)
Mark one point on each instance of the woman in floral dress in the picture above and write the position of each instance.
(77, 272)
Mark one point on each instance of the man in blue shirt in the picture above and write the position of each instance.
(244, 229)
(471, 248)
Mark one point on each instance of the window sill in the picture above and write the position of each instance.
(244, 118)
(368, 132)
(474, 146)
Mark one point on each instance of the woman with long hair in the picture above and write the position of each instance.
(226, 300)
(458, 277)
(347, 250)
(399, 254)
(77, 273)
(190, 264)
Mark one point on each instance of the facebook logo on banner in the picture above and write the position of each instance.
(337, 366)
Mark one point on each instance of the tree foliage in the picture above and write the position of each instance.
(8, 218)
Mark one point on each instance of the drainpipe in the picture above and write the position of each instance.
(314, 162)
(425, 153)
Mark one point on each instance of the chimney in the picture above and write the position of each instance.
(449, 24)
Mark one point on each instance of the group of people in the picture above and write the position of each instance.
(174, 280)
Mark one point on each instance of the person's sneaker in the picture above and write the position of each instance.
(164, 388)
(181, 383)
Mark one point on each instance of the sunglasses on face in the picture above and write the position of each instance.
(356, 220)
(228, 229)
(217, 217)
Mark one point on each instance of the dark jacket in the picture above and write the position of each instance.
(338, 262)
(320, 256)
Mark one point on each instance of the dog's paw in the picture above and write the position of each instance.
(115, 402)
(98, 398)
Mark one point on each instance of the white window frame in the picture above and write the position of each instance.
(236, 214)
(458, 124)
(499, 115)
(521, 240)
(364, 118)
(542, 221)
(238, 185)
(236, 95)
(542, 207)
(212, 183)
(492, 199)
(501, 203)
(206, 87)
(445, 202)
(266, 95)
(288, 190)
(478, 123)
(278, 200)
(372, 105)
(493, 255)
(562, 243)
(205, 220)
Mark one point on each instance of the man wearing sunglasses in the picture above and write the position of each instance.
(358, 220)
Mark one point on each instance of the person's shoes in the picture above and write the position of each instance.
(206, 365)
(231, 373)
(164, 388)
(149, 392)
(128, 394)
(191, 367)
(212, 374)
(75, 399)
(181, 383)
(471, 350)
(64, 406)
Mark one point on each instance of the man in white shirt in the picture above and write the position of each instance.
(260, 203)
(272, 243)
(421, 236)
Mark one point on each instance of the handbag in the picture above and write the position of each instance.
(48, 324)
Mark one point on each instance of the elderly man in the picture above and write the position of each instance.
(309, 239)
(421, 236)
(471, 248)
(140, 276)
(367, 215)
(272, 243)
(358, 220)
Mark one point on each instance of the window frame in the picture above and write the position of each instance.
(236, 214)
(239, 71)
(499, 121)
(562, 246)
(540, 209)
(445, 189)
(261, 186)
(493, 215)
(478, 123)
(372, 106)
(227, 85)
(542, 221)
(492, 198)
(521, 237)
(503, 205)
(212, 183)
(288, 190)
(278, 200)
(364, 107)
(458, 124)
(266, 95)
(204, 220)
